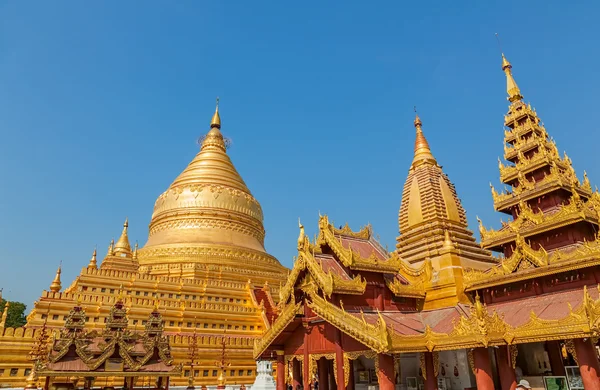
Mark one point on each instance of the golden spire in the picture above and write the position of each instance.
(93, 264)
(514, 93)
(122, 246)
(135, 249)
(216, 119)
(55, 286)
(111, 248)
(214, 140)
(447, 241)
(422, 151)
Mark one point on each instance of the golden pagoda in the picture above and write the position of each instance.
(204, 267)
(433, 227)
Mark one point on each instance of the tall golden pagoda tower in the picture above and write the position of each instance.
(433, 227)
(549, 206)
(204, 267)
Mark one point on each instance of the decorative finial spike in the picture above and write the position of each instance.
(216, 119)
(55, 286)
(422, 151)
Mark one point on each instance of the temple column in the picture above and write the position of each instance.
(296, 373)
(47, 383)
(483, 369)
(385, 374)
(506, 372)
(280, 370)
(306, 364)
(555, 357)
(323, 366)
(429, 371)
(339, 357)
(167, 383)
(588, 363)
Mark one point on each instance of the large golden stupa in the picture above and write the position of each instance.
(204, 267)
(208, 216)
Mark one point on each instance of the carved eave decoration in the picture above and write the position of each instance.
(375, 336)
(408, 290)
(527, 189)
(538, 139)
(351, 259)
(529, 223)
(526, 165)
(527, 263)
(286, 316)
(365, 233)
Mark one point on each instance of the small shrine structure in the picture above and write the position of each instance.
(112, 357)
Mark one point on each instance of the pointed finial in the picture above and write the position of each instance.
(216, 119)
(55, 286)
(122, 246)
(514, 93)
(135, 250)
(447, 240)
(422, 151)
(93, 263)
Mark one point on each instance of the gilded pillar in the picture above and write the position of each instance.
(506, 371)
(339, 357)
(483, 369)
(323, 366)
(588, 363)
(385, 373)
(280, 371)
(429, 369)
(555, 357)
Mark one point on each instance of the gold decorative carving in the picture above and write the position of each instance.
(570, 346)
(355, 355)
(314, 358)
(481, 325)
(423, 365)
(374, 336)
(471, 360)
(513, 351)
(286, 316)
(364, 233)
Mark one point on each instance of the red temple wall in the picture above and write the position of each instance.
(553, 283)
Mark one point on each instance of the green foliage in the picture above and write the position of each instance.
(16, 314)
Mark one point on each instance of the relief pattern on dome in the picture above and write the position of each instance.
(171, 199)
(207, 223)
(225, 252)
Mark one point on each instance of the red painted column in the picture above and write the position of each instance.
(280, 371)
(508, 379)
(323, 374)
(306, 380)
(339, 357)
(483, 369)
(296, 374)
(385, 375)
(555, 357)
(430, 377)
(588, 363)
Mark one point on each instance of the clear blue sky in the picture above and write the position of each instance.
(101, 104)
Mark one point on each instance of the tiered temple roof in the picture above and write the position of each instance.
(555, 216)
(114, 351)
(430, 208)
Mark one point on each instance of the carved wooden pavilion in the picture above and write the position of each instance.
(352, 314)
(78, 355)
